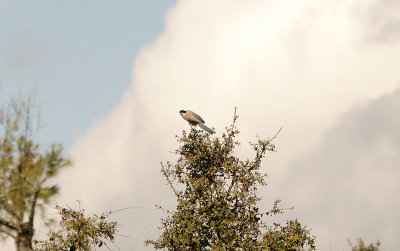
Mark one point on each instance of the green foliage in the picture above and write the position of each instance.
(360, 246)
(292, 235)
(79, 232)
(24, 172)
(217, 199)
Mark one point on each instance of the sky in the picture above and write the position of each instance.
(77, 56)
(112, 77)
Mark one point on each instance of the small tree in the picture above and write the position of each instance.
(79, 232)
(24, 172)
(217, 199)
(360, 246)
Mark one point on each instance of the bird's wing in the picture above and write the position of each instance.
(193, 117)
(193, 120)
(199, 118)
(205, 128)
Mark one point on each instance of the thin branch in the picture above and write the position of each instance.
(140, 235)
(165, 210)
(7, 233)
(275, 136)
(230, 186)
(125, 208)
(268, 141)
(112, 242)
(234, 119)
(9, 208)
(32, 211)
(233, 180)
(8, 224)
(230, 137)
(168, 179)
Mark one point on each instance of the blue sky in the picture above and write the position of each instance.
(78, 55)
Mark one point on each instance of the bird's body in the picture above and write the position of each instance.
(194, 120)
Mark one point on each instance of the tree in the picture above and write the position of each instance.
(79, 232)
(360, 246)
(217, 199)
(24, 171)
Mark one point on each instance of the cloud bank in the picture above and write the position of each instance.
(349, 185)
(302, 65)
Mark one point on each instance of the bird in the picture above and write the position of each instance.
(194, 120)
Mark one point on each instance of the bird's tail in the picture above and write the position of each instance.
(205, 128)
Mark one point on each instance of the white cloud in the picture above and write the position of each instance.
(349, 185)
(297, 64)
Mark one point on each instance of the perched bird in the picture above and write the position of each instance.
(194, 120)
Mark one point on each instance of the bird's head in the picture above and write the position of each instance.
(182, 112)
